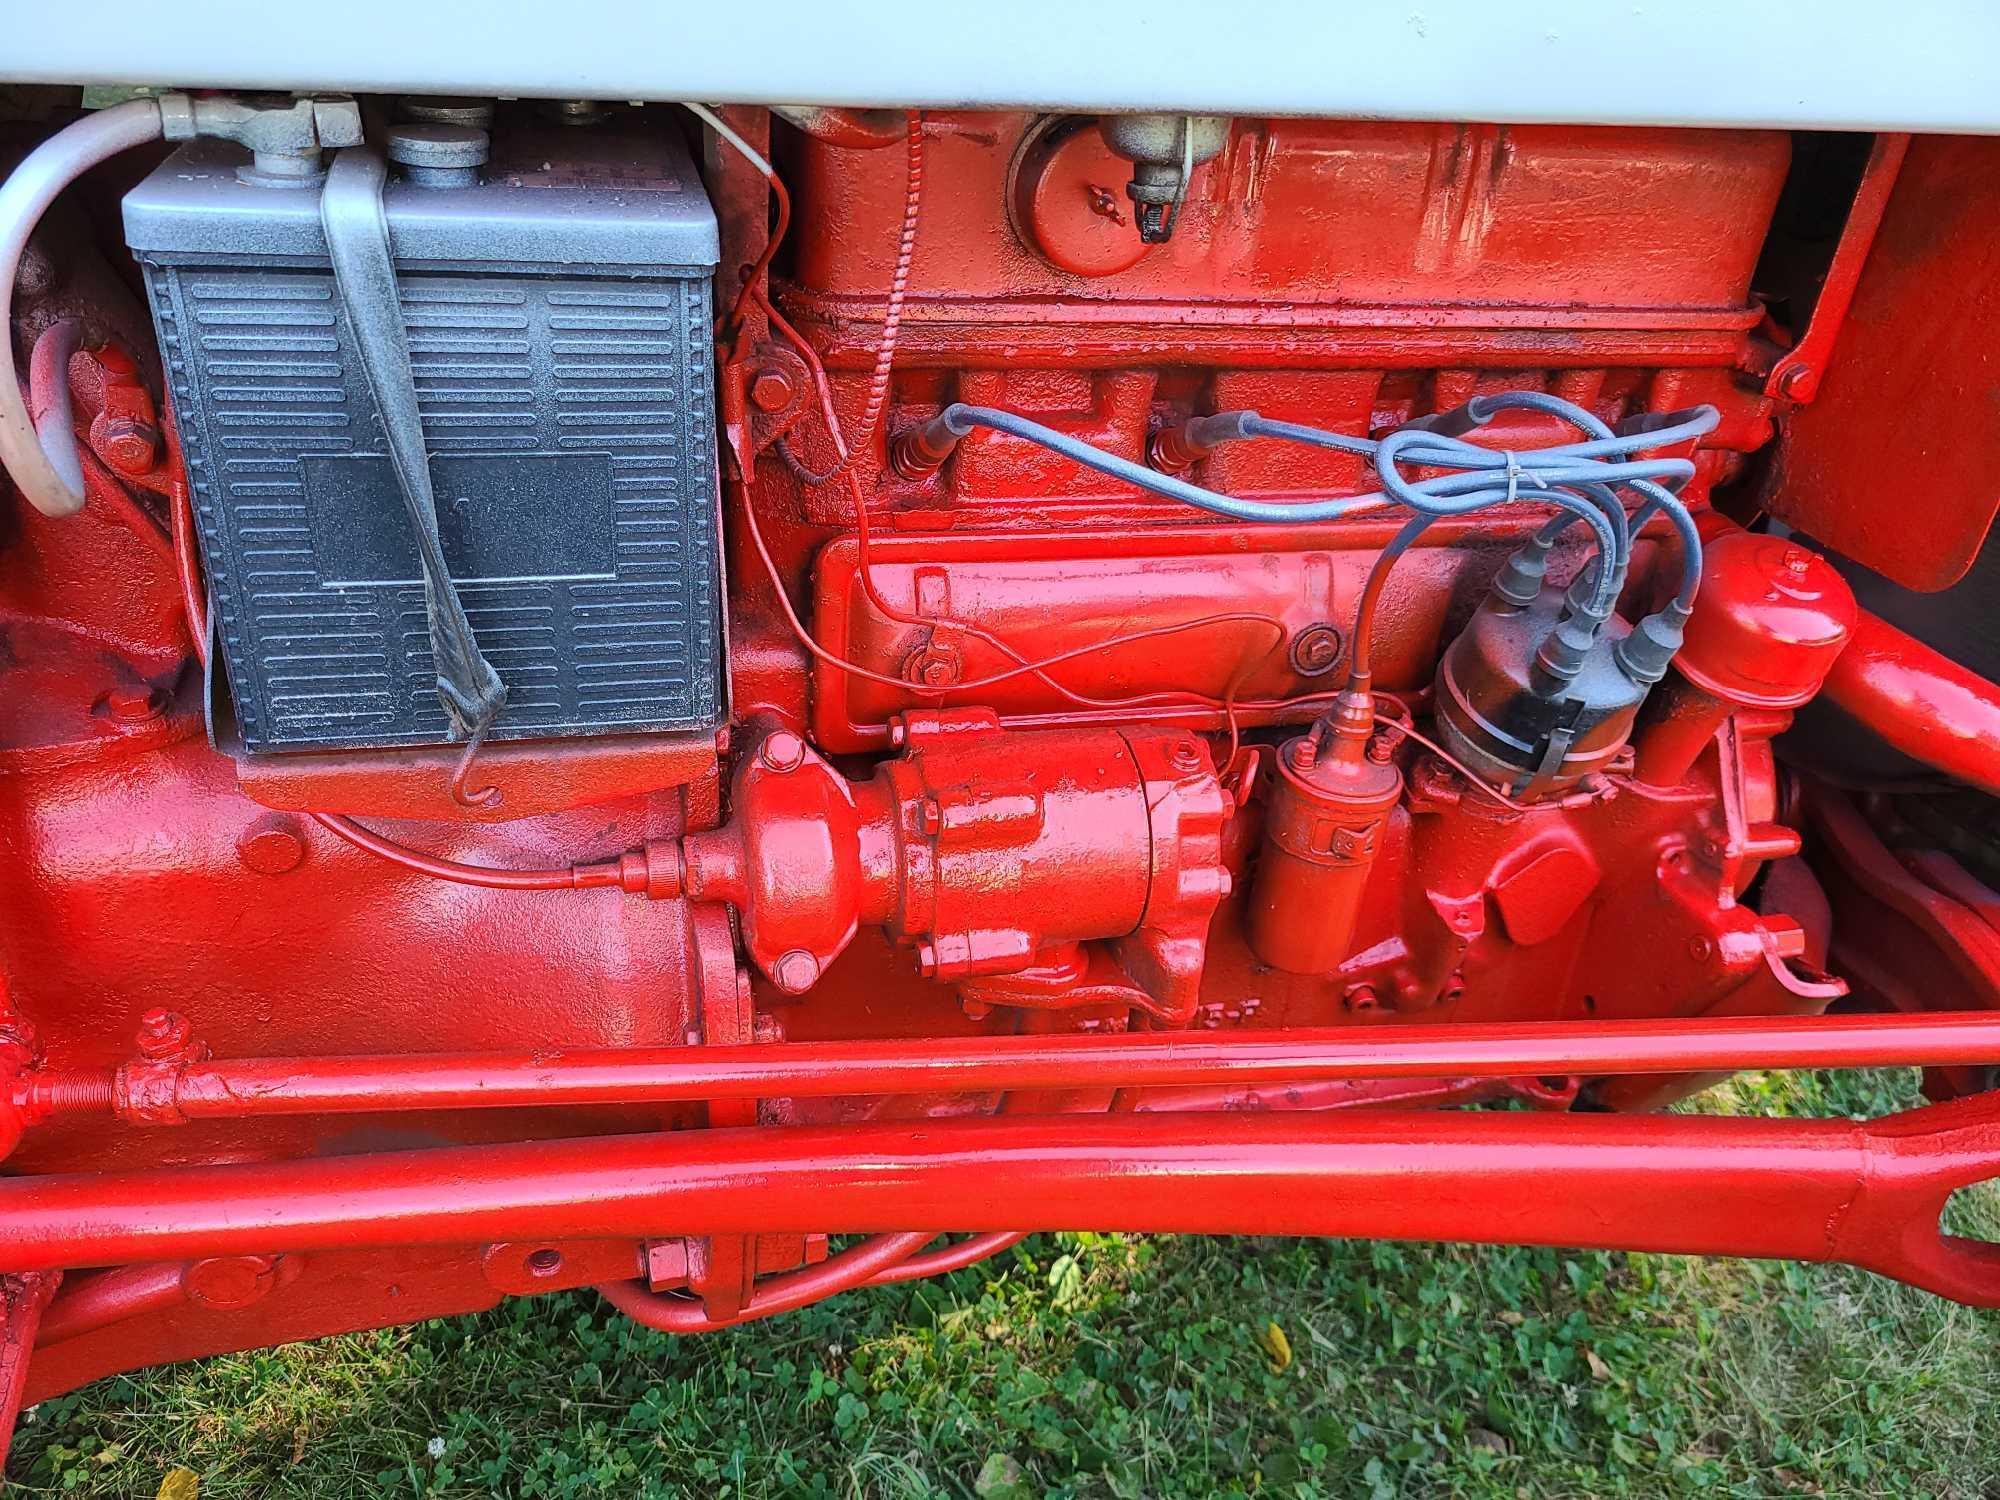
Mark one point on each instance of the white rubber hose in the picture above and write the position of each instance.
(25, 196)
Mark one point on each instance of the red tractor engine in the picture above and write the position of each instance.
(592, 697)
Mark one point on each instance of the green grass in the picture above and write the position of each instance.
(1123, 1366)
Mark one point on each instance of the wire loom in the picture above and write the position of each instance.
(1582, 478)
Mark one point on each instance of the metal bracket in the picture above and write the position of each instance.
(22, 1299)
(364, 275)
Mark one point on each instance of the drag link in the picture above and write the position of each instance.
(1869, 1194)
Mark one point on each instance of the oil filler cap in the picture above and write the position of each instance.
(1770, 618)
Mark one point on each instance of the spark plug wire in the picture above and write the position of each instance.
(1096, 458)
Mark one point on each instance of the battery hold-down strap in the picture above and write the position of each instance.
(364, 275)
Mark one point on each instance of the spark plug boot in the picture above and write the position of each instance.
(1174, 450)
(921, 451)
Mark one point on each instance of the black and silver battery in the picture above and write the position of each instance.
(557, 303)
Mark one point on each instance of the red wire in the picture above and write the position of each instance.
(892, 320)
(864, 573)
(180, 517)
(1403, 727)
(570, 877)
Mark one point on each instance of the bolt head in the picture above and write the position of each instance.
(781, 751)
(796, 972)
(1316, 650)
(336, 120)
(128, 446)
(163, 1033)
(771, 389)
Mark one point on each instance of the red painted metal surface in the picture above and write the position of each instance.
(1890, 464)
(1915, 929)
(1797, 374)
(1866, 1193)
(266, 1088)
(1774, 620)
(1921, 702)
(996, 907)
(998, 855)
(22, 1301)
(1330, 801)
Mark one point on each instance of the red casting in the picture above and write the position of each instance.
(1069, 855)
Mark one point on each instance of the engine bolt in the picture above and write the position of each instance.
(771, 389)
(1184, 757)
(129, 447)
(1316, 650)
(782, 751)
(162, 1034)
(795, 972)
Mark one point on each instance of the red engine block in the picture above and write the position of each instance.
(982, 925)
